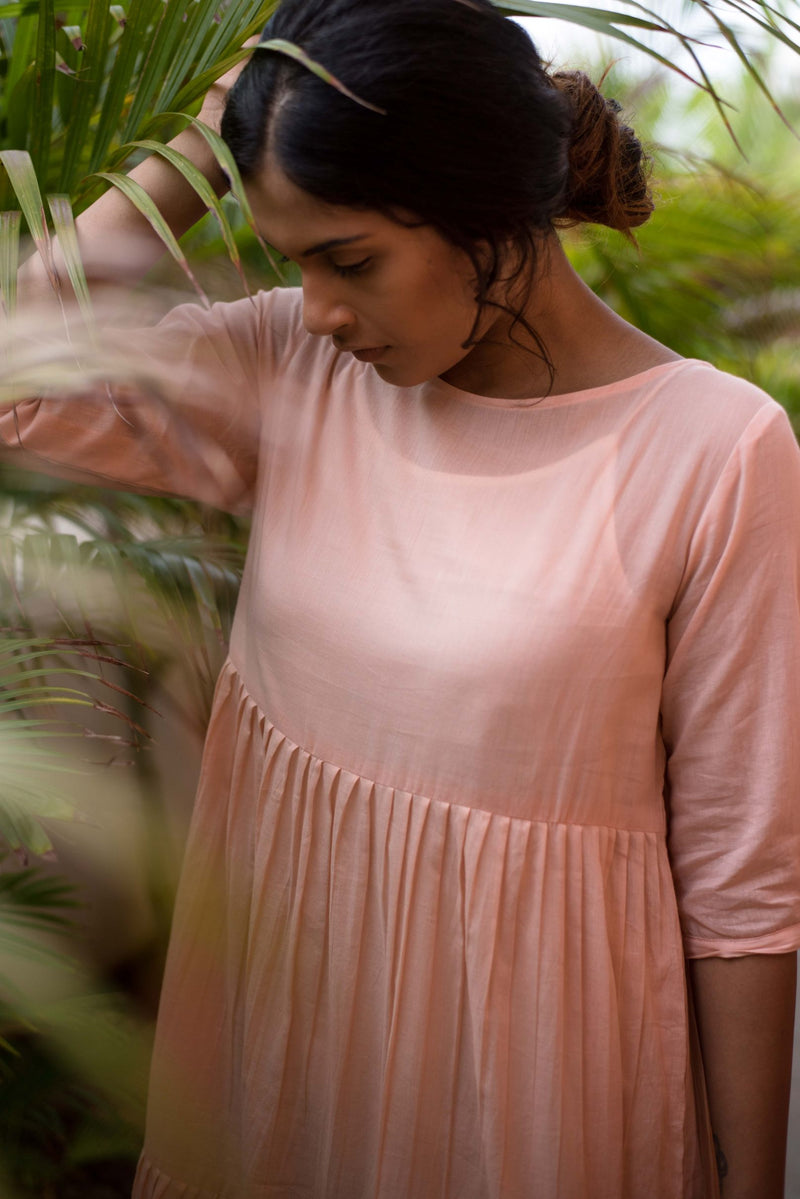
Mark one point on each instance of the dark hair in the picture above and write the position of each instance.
(477, 140)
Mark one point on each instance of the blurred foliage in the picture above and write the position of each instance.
(716, 274)
(116, 610)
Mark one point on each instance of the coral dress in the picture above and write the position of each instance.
(506, 732)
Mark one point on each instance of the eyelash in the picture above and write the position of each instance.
(345, 272)
(355, 268)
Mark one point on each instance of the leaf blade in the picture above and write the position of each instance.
(9, 260)
(137, 195)
(44, 86)
(64, 227)
(290, 50)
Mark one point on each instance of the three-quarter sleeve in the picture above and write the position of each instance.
(179, 412)
(731, 706)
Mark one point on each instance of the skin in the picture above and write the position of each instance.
(745, 1016)
(370, 282)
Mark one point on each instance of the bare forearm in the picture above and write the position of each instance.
(113, 217)
(745, 1015)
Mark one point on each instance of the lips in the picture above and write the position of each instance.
(369, 354)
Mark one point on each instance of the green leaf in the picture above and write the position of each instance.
(24, 48)
(228, 165)
(142, 201)
(745, 59)
(605, 22)
(279, 46)
(601, 19)
(163, 42)
(20, 104)
(199, 84)
(43, 86)
(24, 9)
(197, 180)
(9, 259)
(184, 56)
(135, 35)
(64, 227)
(242, 21)
(87, 90)
(22, 176)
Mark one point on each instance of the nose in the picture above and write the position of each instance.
(323, 311)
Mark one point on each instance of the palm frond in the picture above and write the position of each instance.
(9, 260)
(31, 900)
(632, 19)
(149, 210)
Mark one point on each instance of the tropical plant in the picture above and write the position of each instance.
(56, 1119)
(714, 274)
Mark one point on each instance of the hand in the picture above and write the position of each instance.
(217, 95)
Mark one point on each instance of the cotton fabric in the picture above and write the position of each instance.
(507, 730)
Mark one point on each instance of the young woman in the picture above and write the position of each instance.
(507, 730)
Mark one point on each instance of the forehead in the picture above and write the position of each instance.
(294, 221)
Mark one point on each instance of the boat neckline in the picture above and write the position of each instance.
(439, 387)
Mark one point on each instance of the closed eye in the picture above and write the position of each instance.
(354, 268)
(346, 271)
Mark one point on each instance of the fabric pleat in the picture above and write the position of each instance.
(394, 996)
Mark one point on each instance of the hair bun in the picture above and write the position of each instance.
(608, 169)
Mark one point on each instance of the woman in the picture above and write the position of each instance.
(506, 730)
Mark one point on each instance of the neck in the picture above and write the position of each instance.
(587, 344)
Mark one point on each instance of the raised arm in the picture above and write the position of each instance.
(172, 408)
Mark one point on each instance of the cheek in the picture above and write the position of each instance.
(443, 307)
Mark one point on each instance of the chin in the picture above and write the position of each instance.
(400, 376)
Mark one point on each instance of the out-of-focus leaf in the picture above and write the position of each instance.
(141, 200)
(186, 54)
(29, 899)
(139, 21)
(22, 176)
(86, 92)
(64, 226)
(164, 39)
(43, 86)
(9, 259)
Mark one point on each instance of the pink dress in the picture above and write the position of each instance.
(507, 730)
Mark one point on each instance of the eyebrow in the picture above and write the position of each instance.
(324, 246)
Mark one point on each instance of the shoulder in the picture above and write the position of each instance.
(258, 335)
(697, 393)
(700, 416)
(693, 441)
(274, 316)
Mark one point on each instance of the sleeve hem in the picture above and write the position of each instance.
(785, 940)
